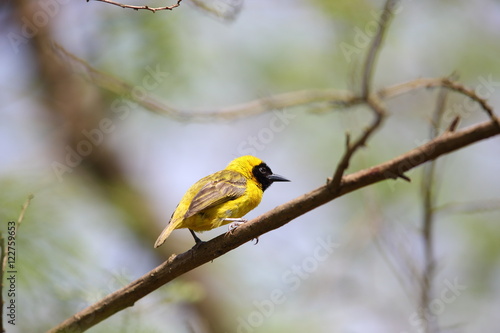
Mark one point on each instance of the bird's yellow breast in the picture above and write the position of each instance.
(214, 217)
(224, 194)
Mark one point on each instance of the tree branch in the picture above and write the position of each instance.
(446, 82)
(152, 9)
(428, 203)
(369, 65)
(373, 101)
(177, 265)
(336, 97)
(455, 86)
(379, 114)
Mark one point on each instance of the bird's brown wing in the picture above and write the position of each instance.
(228, 186)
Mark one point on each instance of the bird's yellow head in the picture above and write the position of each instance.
(253, 168)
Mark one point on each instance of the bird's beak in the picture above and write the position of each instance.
(277, 178)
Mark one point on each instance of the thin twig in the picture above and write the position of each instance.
(428, 203)
(152, 9)
(373, 102)
(471, 207)
(453, 125)
(19, 221)
(23, 210)
(381, 245)
(376, 43)
(379, 112)
(401, 88)
(448, 83)
(177, 265)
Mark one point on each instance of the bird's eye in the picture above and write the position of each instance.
(263, 170)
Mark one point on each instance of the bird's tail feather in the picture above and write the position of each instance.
(164, 234)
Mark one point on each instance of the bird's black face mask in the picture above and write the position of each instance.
(265, 176)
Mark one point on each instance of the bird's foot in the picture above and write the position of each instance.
(236, 222)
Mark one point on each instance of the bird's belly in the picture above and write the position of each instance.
(215, 217)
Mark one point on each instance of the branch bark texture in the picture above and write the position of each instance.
(177, 265)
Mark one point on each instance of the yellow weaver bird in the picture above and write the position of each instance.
(222, 197)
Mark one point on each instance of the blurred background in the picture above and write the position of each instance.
(107, 172)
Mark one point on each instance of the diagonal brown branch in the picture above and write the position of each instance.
(177, 265)
(152, 9)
